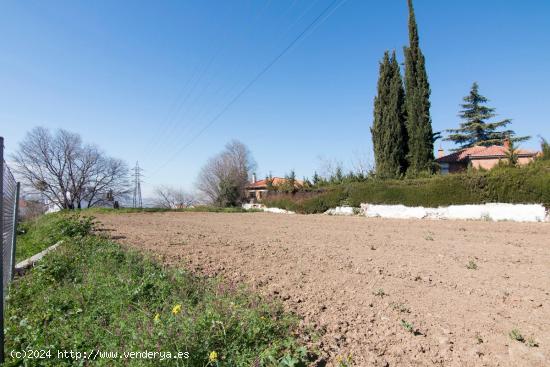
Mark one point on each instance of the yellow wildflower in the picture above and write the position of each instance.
(156, 318)
(176, 309)
(213, 357)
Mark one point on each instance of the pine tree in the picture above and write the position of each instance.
(475, 130)
(316, 179)
(338, 175)
(417, 101)
(389, 135)
(289, 185)
(291, 178)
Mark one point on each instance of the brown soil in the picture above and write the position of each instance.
(358, 278)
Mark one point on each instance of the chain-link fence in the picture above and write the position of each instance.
(8, 222)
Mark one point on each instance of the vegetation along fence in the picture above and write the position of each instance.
(8, 222)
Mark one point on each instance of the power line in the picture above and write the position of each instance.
(185, 109)
(297, 20)
(137, 202)
(326, 11)
(182, 103)
(174, 108)
(172, 123)
(202, 114)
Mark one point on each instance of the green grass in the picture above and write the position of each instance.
(400, 307)
(40, 233)
(516, 335)
(380, 293)
(91, 294)
(471, 265)
(407, 326)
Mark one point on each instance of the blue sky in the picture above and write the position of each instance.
(141, 79)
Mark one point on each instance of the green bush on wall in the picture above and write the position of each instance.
(528, 184)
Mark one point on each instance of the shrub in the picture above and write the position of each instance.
(430, 192)
(545, 149)
(526, 184)
(316, 202)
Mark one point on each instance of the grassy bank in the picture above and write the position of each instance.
(39, 233)
(529, 184)
(92, 295)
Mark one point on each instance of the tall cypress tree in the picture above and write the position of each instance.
(476, 130)
(389, 134)
(417, 102)
(399, 116)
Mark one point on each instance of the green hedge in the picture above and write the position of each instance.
(528, 184)
(319, 203)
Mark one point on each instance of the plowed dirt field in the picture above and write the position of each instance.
(386, 292)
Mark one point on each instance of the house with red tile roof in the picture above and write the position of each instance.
(256, 190)
(480, 157)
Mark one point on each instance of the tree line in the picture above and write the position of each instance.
(59, 169)
(402, 134)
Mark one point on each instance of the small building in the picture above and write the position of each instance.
(256, 190)
(480, 157)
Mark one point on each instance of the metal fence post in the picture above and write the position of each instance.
(2, 249)
(14, 232)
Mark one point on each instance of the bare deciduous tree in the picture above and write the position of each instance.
(329, 167)
(67, 172)
(173, 198)
(224, 177)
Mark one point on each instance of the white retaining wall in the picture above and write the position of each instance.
(342, 210)
(266, 209)
(491, 211)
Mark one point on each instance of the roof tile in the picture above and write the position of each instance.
(478, 152)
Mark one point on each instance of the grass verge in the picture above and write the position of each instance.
(93, 295)
(40, 233)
